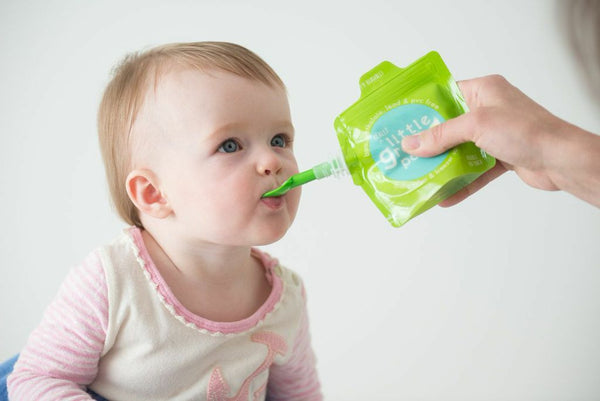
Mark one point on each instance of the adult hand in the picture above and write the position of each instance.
(546, 152)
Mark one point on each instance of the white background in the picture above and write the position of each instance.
(494, 299)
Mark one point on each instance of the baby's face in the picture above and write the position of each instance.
(219, 141)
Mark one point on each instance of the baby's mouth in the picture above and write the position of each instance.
(273, 202)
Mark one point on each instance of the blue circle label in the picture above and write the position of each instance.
(385, 142)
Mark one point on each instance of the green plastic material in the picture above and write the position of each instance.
(292, 182)
(387, 87)
(316, 173)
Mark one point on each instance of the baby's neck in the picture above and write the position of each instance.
(215, 282)
(198, 262)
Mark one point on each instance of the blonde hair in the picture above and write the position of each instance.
(125, 93)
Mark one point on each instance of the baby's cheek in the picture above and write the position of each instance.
(294, 201)
(293, 165)
(240, 191)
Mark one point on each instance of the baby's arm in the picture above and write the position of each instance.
(297, 379)
(61, 355)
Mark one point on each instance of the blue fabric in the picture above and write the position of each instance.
(96, 396)
(6, 368)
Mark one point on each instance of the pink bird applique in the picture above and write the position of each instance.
(218, 388)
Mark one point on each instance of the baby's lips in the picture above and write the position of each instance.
(274, 202)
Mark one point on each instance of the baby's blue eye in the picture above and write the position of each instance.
(229, 146)
(279, 141)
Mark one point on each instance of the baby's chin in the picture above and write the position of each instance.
(270, 239)
(258, 238)
(272, 235)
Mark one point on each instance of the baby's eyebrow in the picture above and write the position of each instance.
(222, 132)
(281, 126)
(286, 126)
(224, 129)
(287, 129)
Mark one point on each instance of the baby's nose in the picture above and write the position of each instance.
(269, 164)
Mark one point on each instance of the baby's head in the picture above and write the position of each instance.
(191, 135)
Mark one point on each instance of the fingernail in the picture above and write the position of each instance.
(411, 142)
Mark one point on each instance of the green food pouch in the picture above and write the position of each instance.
(394, 103)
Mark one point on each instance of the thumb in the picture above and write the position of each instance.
(440, 138)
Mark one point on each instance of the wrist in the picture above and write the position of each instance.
(560, 153)
(572, 161)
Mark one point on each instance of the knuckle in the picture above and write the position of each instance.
(496, 81)
(495, 85)
(436, 135)
(481, 120)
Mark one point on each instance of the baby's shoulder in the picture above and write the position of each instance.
(128, 246)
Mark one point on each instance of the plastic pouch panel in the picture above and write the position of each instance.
(395, 103)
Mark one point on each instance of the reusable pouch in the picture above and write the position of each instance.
(394, 103)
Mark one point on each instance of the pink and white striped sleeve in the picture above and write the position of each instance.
(297, 380)
(61, 355)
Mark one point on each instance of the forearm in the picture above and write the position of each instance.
(46, 388)
(573, 163)
(61, 355)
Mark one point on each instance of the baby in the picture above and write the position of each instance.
(181, 306)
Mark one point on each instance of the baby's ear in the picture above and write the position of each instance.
(144, 191)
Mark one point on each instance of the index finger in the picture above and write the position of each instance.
(470, 90)
(485, 91)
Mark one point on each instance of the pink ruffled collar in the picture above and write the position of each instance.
(200, 323)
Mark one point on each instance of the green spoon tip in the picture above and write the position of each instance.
(283, 189)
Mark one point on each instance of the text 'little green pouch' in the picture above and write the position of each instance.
(394, 103)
